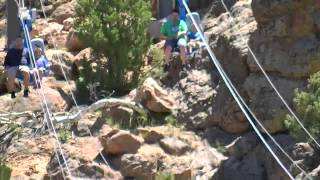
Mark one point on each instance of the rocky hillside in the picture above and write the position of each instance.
(179, 125)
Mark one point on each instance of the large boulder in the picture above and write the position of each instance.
(63, 12)
(68, 23)
(135, 165)
(120, 142)
(174, 146)
(58, 59)
(154, 97)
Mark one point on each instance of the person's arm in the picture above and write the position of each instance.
(163, 33)
(46, 62)
(183, 29)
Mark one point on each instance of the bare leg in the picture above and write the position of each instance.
(10, 82)
(11, 74)
(167, 54)
(183, 54)
(26, 78)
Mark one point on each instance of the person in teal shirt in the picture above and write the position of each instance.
(173, 31)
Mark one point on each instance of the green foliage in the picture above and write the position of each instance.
(136, 120)
(5, 172)
(171, 120)
(155, 58)
(220, 147)
(164, 176)
(118, 31)
(140, 119)
(307, 105)
(64, 135)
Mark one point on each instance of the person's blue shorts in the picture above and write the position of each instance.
(173, 43)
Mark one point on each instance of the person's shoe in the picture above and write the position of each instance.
(166, 68)
(13, 95)
(26, 93)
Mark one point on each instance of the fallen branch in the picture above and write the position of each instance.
(104, 103)
(61, 117)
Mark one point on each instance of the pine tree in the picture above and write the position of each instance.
(118, 31)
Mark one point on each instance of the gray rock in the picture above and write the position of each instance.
(174, 146)
(253, 161)
(265, 103)
(135, 165)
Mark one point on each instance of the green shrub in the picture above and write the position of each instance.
(64, 135)
(156, 59)
(118, 31)
(164, 176)
(307, 106)
(136, 120)
(5, 172)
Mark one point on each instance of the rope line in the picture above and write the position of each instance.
(272, 84)
(26, 31)
(67, 80)
(232, 91)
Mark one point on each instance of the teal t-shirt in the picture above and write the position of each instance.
(171, 29)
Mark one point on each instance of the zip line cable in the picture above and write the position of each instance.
(232, 91)
(25, 29)
(67, 80)
(271, 83)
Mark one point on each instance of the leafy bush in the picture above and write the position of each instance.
(164, 176)
(64, 135)
(118, 31)
(307, 105)
(5, 172)
(136, 120)
(156, 59)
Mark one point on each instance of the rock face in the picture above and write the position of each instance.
(286, 44)
(249, 159)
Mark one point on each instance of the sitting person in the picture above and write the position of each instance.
(17, 60)
(174, 32)
(194, 40)
(42, 62)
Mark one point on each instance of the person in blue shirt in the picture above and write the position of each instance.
(42, 64)
(194, 40)
(17, 60)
